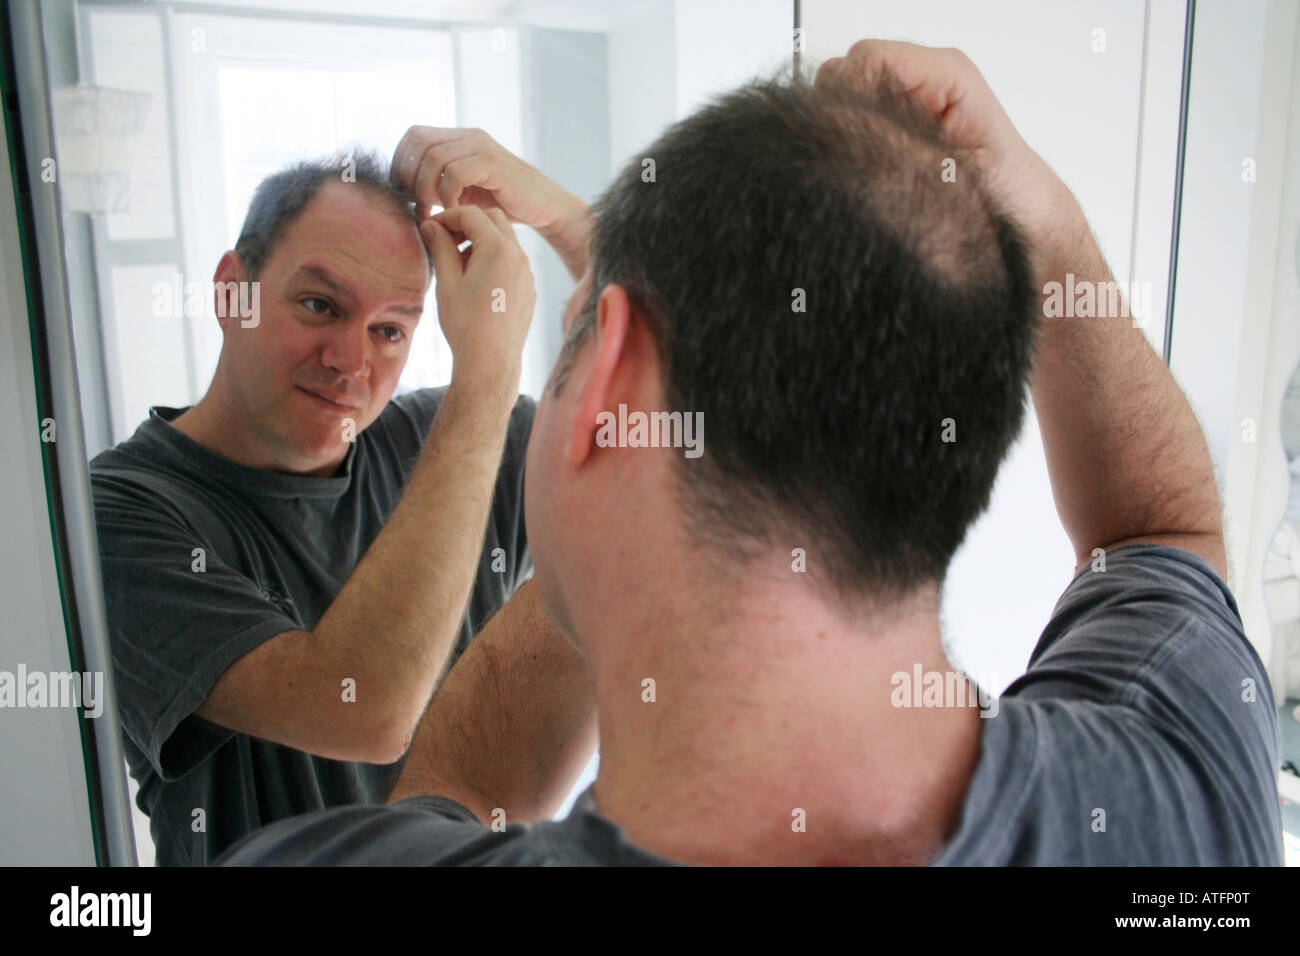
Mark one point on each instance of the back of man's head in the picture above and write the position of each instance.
(830, 283)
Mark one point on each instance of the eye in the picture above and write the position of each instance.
(322, 302)
(401, 333)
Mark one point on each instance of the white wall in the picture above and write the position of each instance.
(667, 57)
(722, 44)
(642, 76)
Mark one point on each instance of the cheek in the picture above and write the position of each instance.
(294, 345)
(275, 345)
(256, 357)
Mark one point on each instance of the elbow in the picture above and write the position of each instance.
(390, 742)
(382, 742)
(383, 752)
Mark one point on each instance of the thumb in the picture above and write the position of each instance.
(446, 257)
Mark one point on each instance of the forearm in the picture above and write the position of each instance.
(513, 724)
(1126, 455)
(393, 624)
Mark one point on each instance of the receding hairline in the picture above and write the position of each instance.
(281, 198)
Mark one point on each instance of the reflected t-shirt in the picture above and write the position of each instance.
(1144, 732)
(204, 559)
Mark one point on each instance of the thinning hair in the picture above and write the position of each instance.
(868, 428)
(282, 196)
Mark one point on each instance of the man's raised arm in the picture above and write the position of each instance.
(513, 724)
(1127, 458)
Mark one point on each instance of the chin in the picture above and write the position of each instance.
(319, 454)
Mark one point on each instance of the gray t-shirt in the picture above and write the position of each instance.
(1144, 732)
(275, 550)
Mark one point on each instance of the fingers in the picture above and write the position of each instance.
(866, 60)
(407, 158)
(426, 183)
(481, 227)
(829, 73)
(410, 151)
(447, 261)
(421, 160)
(488, 231)
(930, 75)
(494, 270)
(943, 81)
(459, 174)
(503, 223)
(423, 184)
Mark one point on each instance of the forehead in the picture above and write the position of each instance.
(357, 235)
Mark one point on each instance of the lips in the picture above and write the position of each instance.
(328, 402)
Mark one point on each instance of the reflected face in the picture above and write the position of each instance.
(340, 297)
(553, 534)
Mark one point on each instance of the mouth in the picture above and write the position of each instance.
(328, 403)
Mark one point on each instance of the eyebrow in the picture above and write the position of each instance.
(342, 290)
(326, 278)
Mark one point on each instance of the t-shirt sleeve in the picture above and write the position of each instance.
(177, 618)
(1155, 619)
(1150, 655)
(418, 831)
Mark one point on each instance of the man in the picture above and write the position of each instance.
(289, 565)
(745, 614)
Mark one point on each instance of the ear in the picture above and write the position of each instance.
(613, 319)
(229, 269)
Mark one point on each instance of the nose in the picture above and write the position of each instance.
(346, 350)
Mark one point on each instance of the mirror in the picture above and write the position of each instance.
(167, 118)
(169, 115)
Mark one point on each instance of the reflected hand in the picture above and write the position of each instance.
(467, 167)
(485, 293)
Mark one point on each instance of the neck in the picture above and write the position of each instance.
(210, 424)
(772, 738)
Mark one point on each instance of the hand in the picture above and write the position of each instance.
(485, 294)
(950, 87)
(454, 167)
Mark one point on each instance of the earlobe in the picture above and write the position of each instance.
(613, 316)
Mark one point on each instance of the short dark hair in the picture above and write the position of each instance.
(281, 197)
(826, 429)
